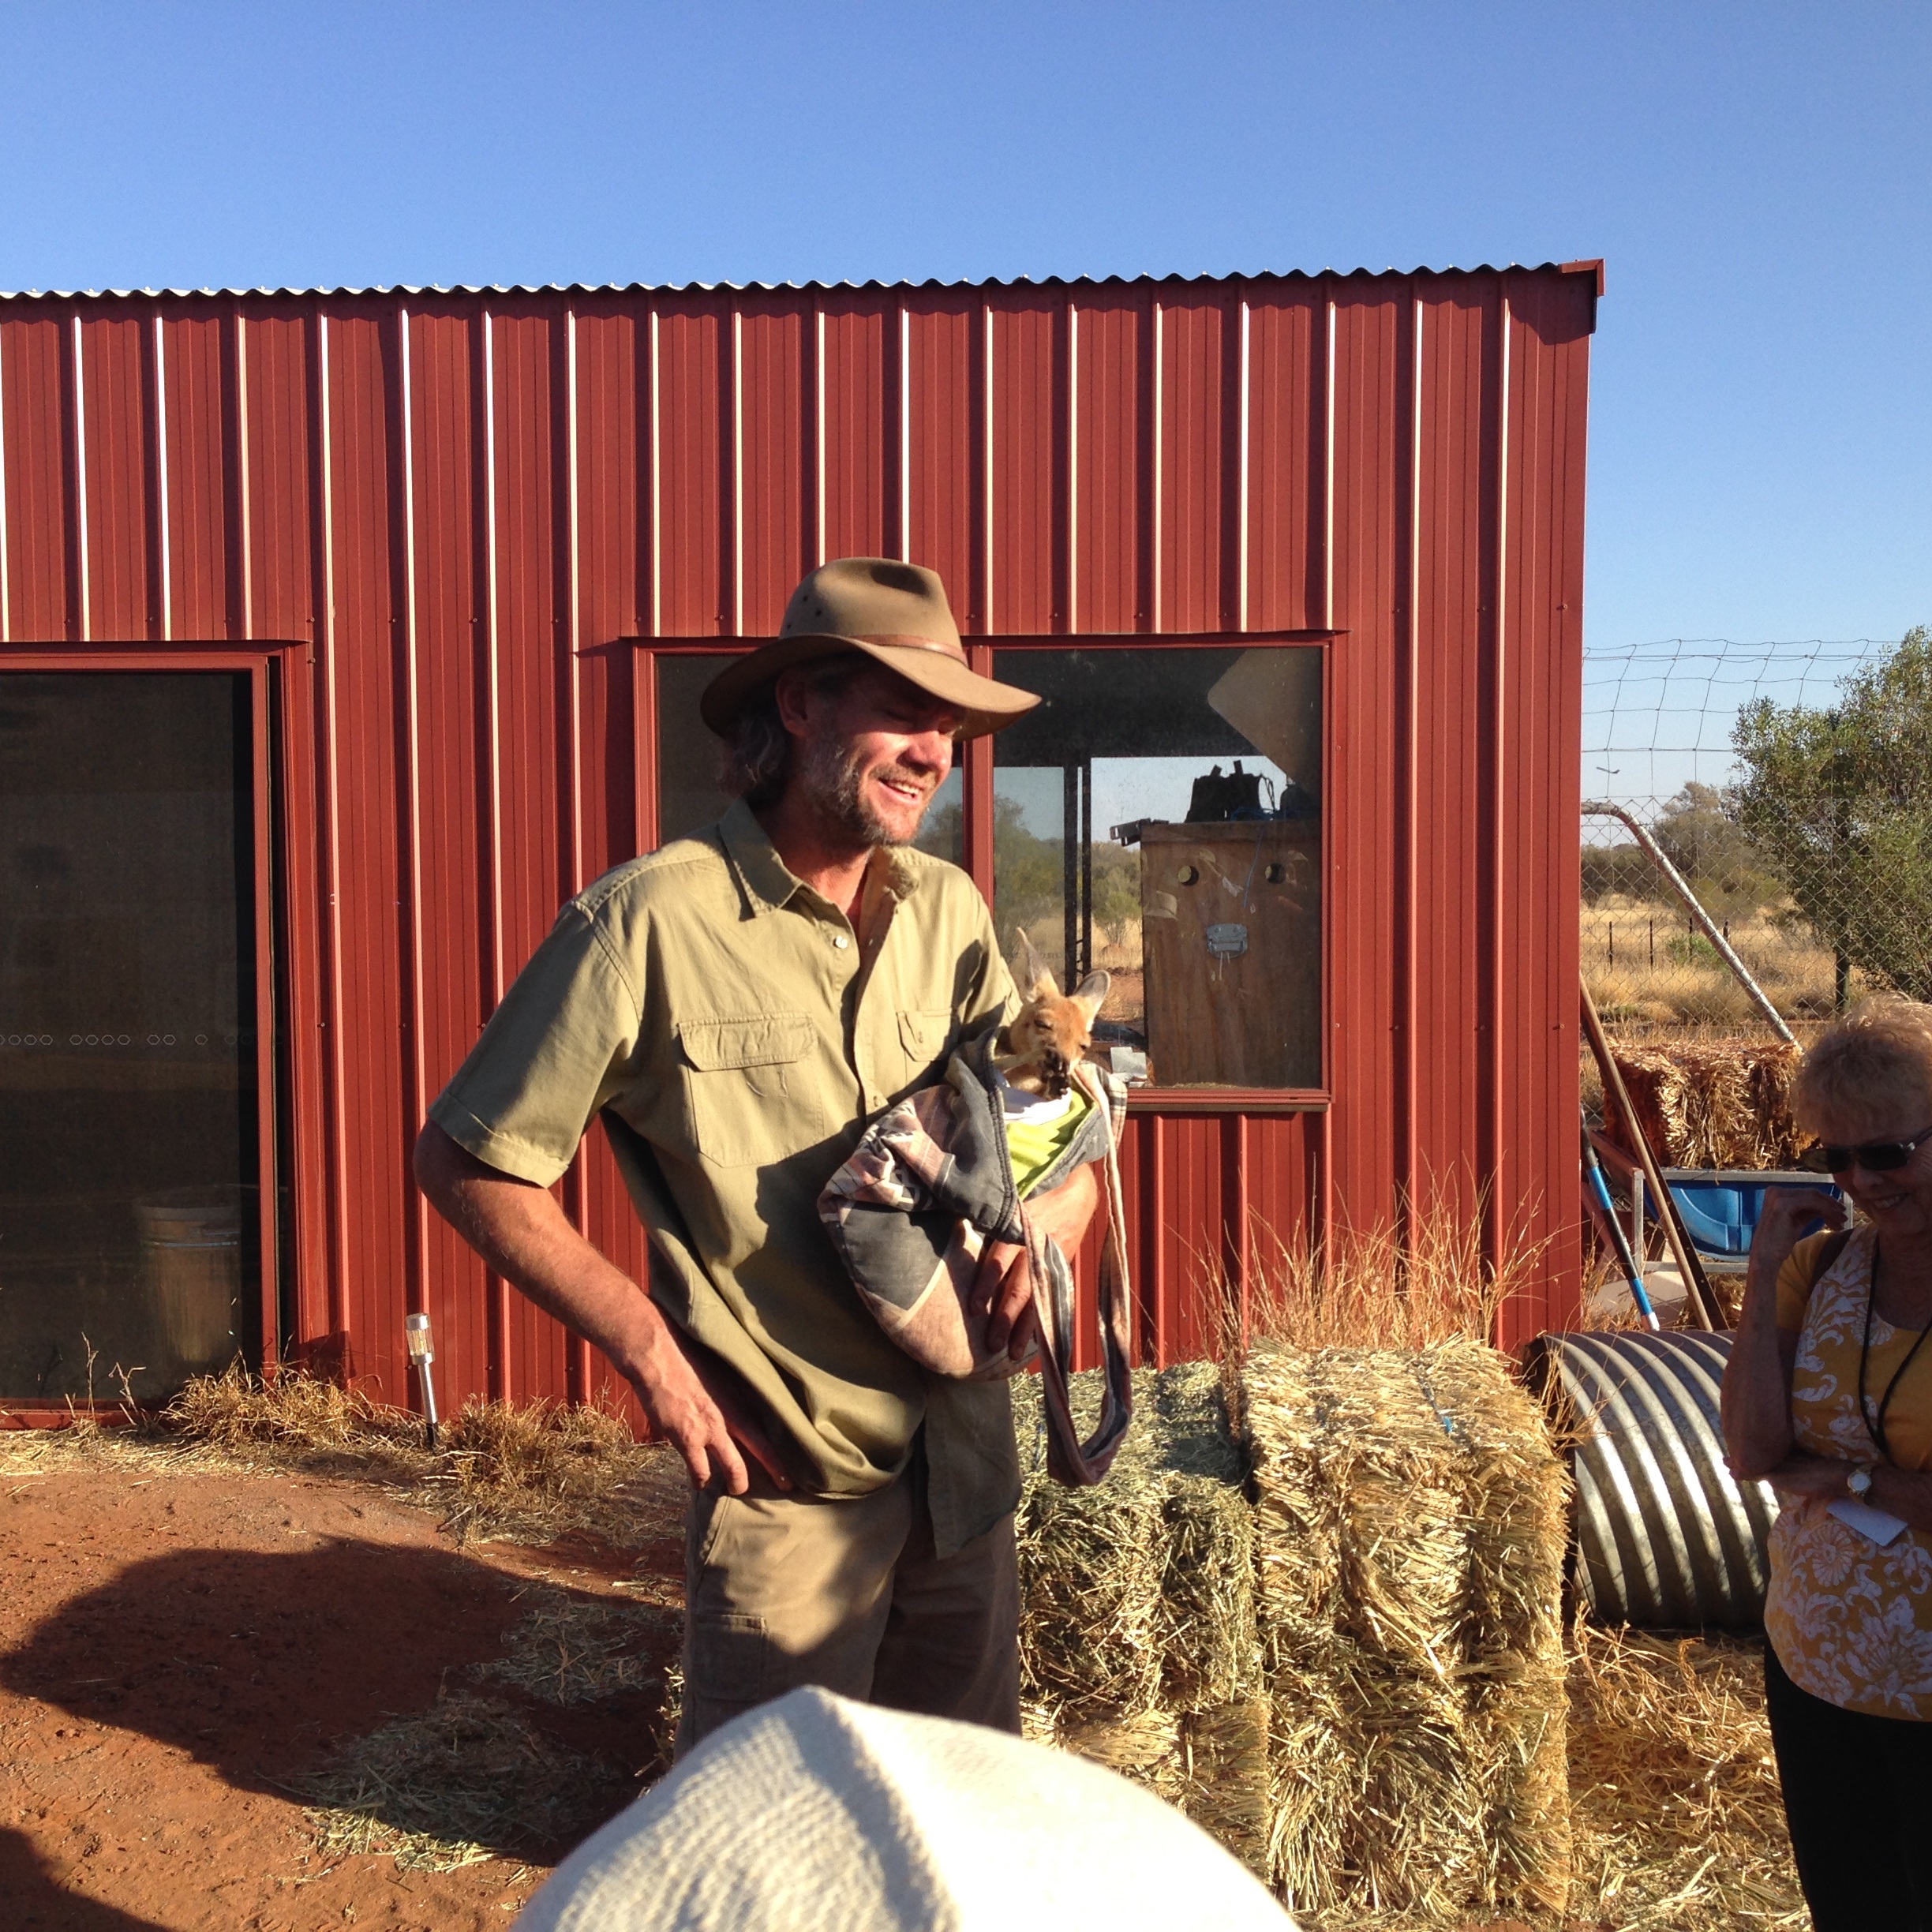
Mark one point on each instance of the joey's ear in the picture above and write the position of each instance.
(1035, 975)
(1091, 994)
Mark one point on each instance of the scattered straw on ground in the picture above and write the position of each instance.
(570, 1650)
(528, 1473)
(467, 1780)
(1674, 1792)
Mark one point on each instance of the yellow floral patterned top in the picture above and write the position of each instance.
(1852, 1623)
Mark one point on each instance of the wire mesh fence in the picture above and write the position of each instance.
(1789, 788)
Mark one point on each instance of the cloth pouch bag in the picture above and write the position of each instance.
(929, 1183)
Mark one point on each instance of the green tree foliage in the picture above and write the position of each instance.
(1698, 837)
(1030, 877)
(1838, 802)
(1116, 890)
(1722, 867)
(1623, 869)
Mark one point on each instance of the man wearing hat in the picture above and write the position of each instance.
(735, 1006)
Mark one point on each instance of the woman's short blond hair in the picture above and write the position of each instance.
(1876, 1062)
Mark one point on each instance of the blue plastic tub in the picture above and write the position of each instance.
(1721, 1205)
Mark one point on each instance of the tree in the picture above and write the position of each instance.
(1720, 864)
(1722, 867)
(1838, 802)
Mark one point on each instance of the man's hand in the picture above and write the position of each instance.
(1003, 1290)
(694, 1412)
(523, 1234)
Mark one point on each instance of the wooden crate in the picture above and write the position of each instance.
(1231, 931)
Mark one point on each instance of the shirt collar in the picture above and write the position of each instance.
(768, 883)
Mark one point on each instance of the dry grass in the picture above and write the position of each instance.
(529, 1472)
(239, 1412)
(1381, 1287)
(467, 1780)
(569, 1650)
(1644, 968)
(1674, 1792)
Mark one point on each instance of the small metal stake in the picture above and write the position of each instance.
(422, 1352)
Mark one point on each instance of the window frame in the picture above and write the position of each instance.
(976, 769)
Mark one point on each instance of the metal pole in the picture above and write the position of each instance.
(1070, 875)
(1702, 1303)
(1597, 1193)
(1602, 808)
(422, 1355)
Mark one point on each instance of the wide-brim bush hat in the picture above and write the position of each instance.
(897, 615)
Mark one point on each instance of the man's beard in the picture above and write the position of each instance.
(832, 777)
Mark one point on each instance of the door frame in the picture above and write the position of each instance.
(258, 664)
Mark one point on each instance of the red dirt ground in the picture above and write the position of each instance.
(177, 1648)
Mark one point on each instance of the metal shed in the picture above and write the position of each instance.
(444, 569)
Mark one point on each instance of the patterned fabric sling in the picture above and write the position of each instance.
(929, 1184)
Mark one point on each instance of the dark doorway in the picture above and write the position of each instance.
(130, 1233)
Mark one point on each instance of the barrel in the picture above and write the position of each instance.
(1666, 1537)
(191, 1271)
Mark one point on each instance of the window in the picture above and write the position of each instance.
(129, 1203)
(1159, 817)
(688, 757)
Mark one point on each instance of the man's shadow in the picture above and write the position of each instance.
(266, 1667)
(36, 1900)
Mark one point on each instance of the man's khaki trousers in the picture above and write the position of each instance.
(783, 1590)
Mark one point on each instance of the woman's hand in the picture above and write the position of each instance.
(1781, 1222)
(1813, 1478)
(1756, 1397)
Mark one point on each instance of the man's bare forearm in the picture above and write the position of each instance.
(521, 1231)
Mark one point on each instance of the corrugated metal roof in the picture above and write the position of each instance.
(780, 288)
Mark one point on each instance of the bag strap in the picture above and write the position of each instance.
(1827, 1257)
(1079, 1464)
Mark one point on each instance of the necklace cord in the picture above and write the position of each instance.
(1876, 1429)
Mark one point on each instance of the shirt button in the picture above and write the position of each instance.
(839, 941)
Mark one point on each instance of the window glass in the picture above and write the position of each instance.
(1159, 818)
(130, 1212)
(689, 796)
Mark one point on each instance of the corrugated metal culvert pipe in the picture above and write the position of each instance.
(1667, 1538)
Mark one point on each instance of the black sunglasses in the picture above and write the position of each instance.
(1875, 1157)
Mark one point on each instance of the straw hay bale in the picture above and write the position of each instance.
(1410, 1538)
(1721, 1104)
(1138, 1642)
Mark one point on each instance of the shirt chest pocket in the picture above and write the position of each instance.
(749, 1095)
(925, 1039)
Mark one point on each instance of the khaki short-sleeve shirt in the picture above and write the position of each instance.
(725, 1021)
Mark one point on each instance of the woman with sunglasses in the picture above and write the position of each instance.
(1829, 1397)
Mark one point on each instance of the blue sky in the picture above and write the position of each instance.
(1759, 178)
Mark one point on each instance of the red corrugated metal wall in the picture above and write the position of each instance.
(445, 517)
